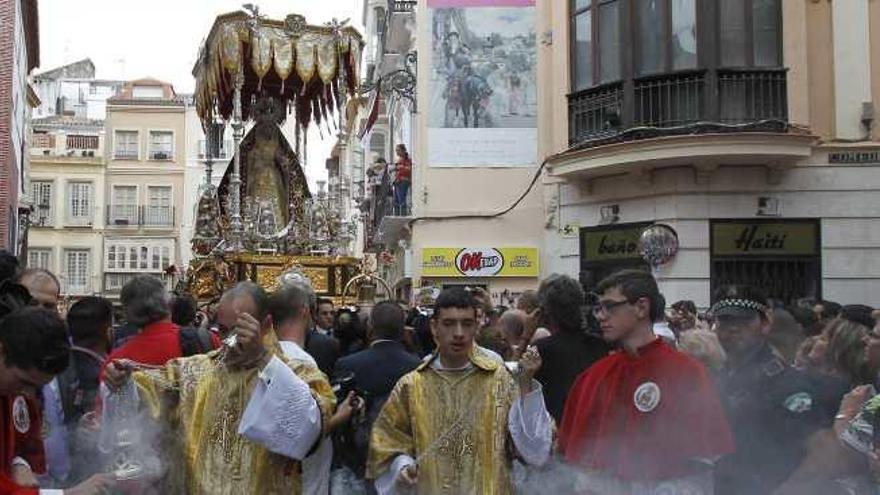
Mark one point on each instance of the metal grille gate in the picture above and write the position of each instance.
(784, 279)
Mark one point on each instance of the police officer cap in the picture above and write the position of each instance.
(739, 301)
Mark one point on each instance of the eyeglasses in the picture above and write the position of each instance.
(607, 306)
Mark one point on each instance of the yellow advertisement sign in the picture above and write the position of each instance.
(764, 238)
(480, 262)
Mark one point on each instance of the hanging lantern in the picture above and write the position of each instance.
(658, 245)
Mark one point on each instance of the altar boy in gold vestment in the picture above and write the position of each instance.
(454, 424)
(237, 420)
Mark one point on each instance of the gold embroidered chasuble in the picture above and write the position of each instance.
(200, 403)
(454, 423)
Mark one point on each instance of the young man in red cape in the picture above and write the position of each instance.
(646, 417)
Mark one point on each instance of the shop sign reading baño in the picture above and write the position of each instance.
(480, 262)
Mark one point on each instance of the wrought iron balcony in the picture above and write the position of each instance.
(158, 216)
(123, 215)
(681, 103)
(128, 215)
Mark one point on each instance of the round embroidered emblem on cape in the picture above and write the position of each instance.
(799, 403)
(647, 397)
(20, 417)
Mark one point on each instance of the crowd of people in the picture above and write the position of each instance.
(611, 392)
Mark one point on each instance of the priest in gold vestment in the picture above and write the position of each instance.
(454, 424)
(238, 420)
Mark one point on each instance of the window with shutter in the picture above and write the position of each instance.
(161, 145)
(41, 191)
(80, 203)
(159, 210)
(39, 258)
(76, 264)
(123, 210)
(125, 145)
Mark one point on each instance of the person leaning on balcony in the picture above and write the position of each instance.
(402, 180)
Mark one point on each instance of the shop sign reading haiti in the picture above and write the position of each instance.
(480, 262)
(784, 238)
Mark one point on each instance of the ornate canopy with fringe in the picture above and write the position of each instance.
(311, 68)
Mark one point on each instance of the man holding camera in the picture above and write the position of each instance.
(374, 373)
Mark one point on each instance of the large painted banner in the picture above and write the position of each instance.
(483, 84)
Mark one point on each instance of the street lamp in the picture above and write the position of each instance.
(42, 214)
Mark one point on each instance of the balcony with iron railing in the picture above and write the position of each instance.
(668, 117)
(677, 103)
(387, 216)
(158, 216)
(75, 147)
(137, 216)
(122, 215)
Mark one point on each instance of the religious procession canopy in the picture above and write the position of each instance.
(263, 221)
(312, 68)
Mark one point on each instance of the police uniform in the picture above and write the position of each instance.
(772, 409)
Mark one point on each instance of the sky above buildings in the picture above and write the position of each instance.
(130, 39)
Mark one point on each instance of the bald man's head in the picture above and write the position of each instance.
(512, 325)
(43, 287)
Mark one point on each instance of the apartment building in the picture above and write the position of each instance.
(67, 196)
(144, 182)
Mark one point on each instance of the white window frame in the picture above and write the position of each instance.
(47, 251)
(150, 151)
(50, 216)
(155, 247)
(69, 286)
(116, 155)
(115, 214)
(148, 207)
(86, 218)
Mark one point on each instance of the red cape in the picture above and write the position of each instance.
(680, 418)
(21, 437)
(8, 487)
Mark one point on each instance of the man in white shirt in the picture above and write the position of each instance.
(289, 310)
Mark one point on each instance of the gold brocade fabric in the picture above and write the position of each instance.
(261, 58)
(200, 404)
(420, 418)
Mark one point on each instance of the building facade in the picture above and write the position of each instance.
(745, 125)
(67, 195)
(73, 90)
(144, 183)
(460, 95)
(19, 55)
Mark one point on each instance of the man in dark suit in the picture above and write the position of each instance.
(323, 348)
(376, 371)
